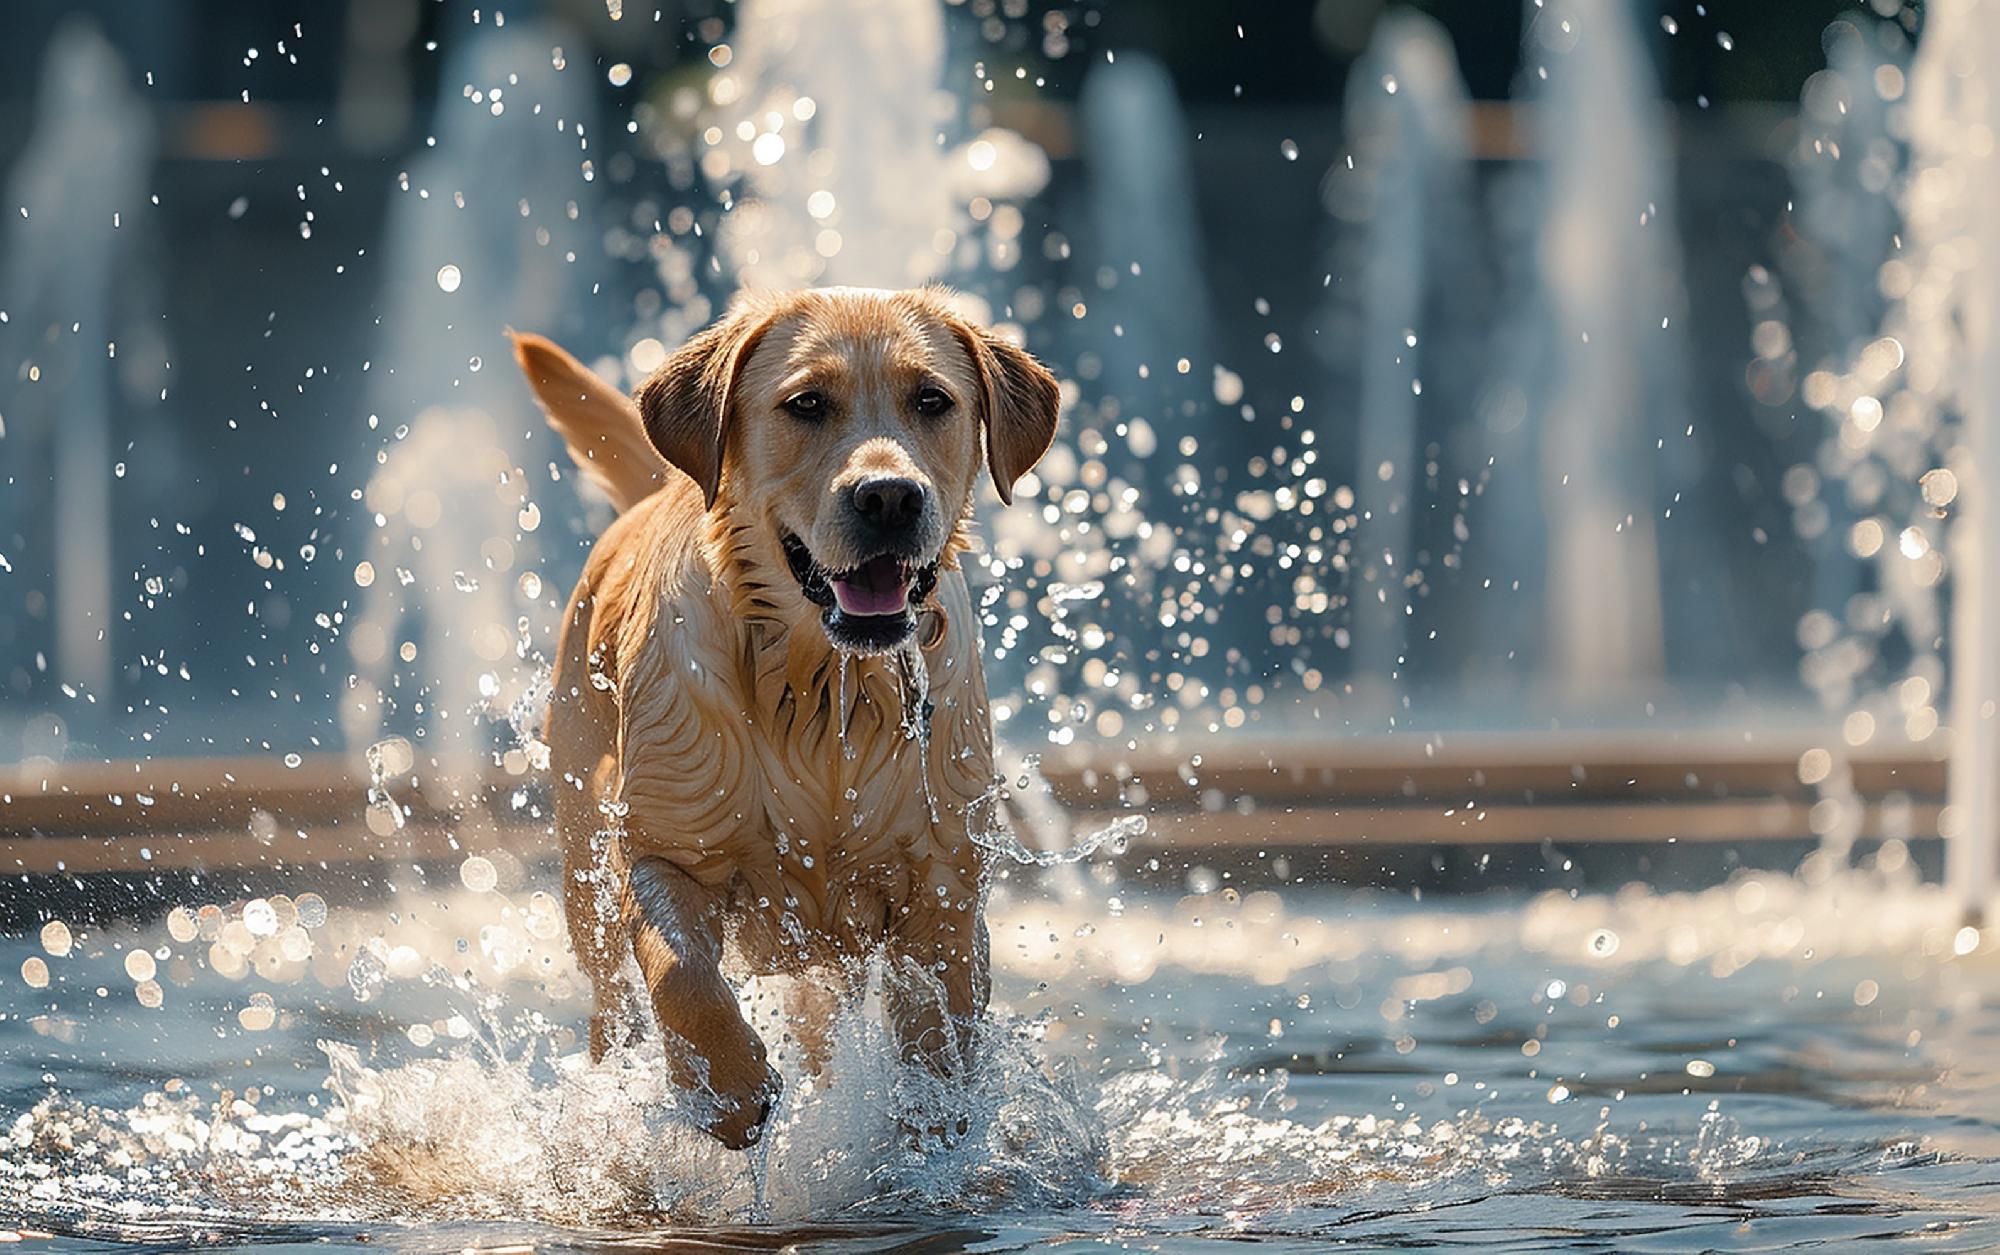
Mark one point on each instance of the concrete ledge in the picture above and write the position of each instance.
(1242, 796)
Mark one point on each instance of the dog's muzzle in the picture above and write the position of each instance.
(870, 608)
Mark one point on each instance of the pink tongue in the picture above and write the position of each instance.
(876, 587)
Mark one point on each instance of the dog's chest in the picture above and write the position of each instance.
(829, 800)
(866, 812)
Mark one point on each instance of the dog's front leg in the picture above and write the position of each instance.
(937, 988)
(677, 938)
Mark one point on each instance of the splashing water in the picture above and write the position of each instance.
(1115, 837)
(807, 78)
(391, 756)
(513, 1137)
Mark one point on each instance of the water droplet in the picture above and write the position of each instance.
(56, 938)
(311, 908)
(395, 755)
(619, 74)
(260, 917)
(478, 874)
(366, 974)
(1940, 487)
(448, 277)
(260, 1015)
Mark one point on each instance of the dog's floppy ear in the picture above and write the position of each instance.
(1018, 407)
(685, 405)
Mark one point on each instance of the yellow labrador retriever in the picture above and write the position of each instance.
(769, 723)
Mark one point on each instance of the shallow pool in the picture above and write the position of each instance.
(1765, 1065)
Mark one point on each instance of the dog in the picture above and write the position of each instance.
(769, 675)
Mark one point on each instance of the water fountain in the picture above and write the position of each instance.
(1410, 185)
(1148, 244)
(1822, 306)
(1952, 328)
(495, 226)
(1910, 431)
(66, 248)
(838, 150)
(1829, 302)
(1607, 264)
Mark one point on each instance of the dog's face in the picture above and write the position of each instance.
(842, 428)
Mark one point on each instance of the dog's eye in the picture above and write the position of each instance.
(932, 402)
(809, 405)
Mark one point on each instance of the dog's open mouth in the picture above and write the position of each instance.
(880, 585)
(867, 608)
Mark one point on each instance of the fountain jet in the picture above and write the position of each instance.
(1410, 186)
(81, 178)
(493, 226)
(1955, 113)
(1606, 257)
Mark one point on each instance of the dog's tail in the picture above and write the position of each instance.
(600, 424)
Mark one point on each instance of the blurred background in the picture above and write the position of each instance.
(1430, 368)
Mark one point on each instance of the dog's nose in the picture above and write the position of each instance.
(889, 502)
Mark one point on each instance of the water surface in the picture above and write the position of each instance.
(1764, 1065)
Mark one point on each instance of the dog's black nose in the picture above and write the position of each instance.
(889, 502)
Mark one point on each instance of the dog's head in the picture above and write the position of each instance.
(842, 429)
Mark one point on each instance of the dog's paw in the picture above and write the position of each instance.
(936, 1134)
(738, 1122)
